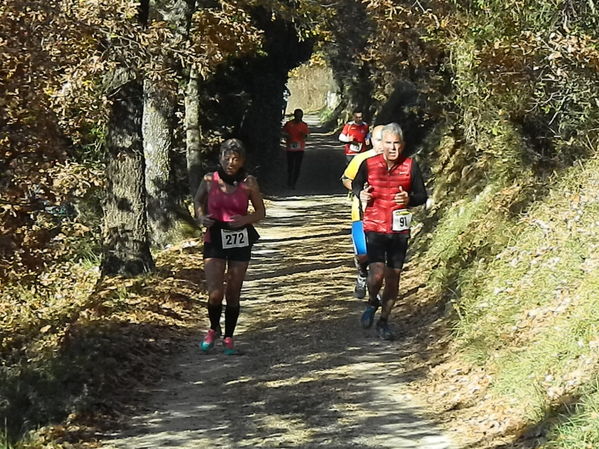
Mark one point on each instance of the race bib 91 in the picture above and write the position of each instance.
(401, 220)
(234, 238)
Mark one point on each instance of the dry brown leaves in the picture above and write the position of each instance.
(456, 390)
(112, 333)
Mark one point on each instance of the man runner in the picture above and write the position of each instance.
(355, 135)
(387, 184)
(295, 132)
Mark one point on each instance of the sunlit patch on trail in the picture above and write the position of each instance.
(310, 376)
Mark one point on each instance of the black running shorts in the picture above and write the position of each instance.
(387, 248)
(214, 251)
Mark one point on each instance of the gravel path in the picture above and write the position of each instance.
(309, 376)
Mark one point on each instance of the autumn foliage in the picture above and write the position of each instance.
(506, 89)
(59, 61)
(55, 58)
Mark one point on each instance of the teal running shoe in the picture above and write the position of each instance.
(208, 342)
(229, 347)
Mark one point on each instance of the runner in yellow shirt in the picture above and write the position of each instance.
(358, 238)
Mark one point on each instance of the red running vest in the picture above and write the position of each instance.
(378, 216)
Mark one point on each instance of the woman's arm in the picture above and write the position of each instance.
(257, 202)
(200, 202)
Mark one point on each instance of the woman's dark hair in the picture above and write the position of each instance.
(233, 145)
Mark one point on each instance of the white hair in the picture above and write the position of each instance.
(393, 128)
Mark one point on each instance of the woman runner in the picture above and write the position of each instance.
(221, 205)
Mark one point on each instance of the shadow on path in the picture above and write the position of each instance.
(309, 376)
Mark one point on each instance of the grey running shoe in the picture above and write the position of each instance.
(384, 331)
(368, 316)
(360, 289)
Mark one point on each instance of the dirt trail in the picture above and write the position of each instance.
(309, 376)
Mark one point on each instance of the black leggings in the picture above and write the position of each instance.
(294, 163)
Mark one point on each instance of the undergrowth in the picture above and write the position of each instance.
(310, 86)
(580, 429)
(73, 348)
(523, 289)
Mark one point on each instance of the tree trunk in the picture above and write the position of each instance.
(166, 213)
(192, 131)
(126, 246)
(158, 142)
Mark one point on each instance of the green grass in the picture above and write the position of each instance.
(558, 359)
(544, 264)
(451, 234)
(4, 442)
(581, 429)
(524, 288)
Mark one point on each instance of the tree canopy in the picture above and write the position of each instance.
(489, 92)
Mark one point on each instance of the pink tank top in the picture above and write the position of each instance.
(222, 206)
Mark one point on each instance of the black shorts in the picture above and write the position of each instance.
(214, 251)
(214, 248)
(387, 248)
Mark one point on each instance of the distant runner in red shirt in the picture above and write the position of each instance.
(355, 135)
(295, 132)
